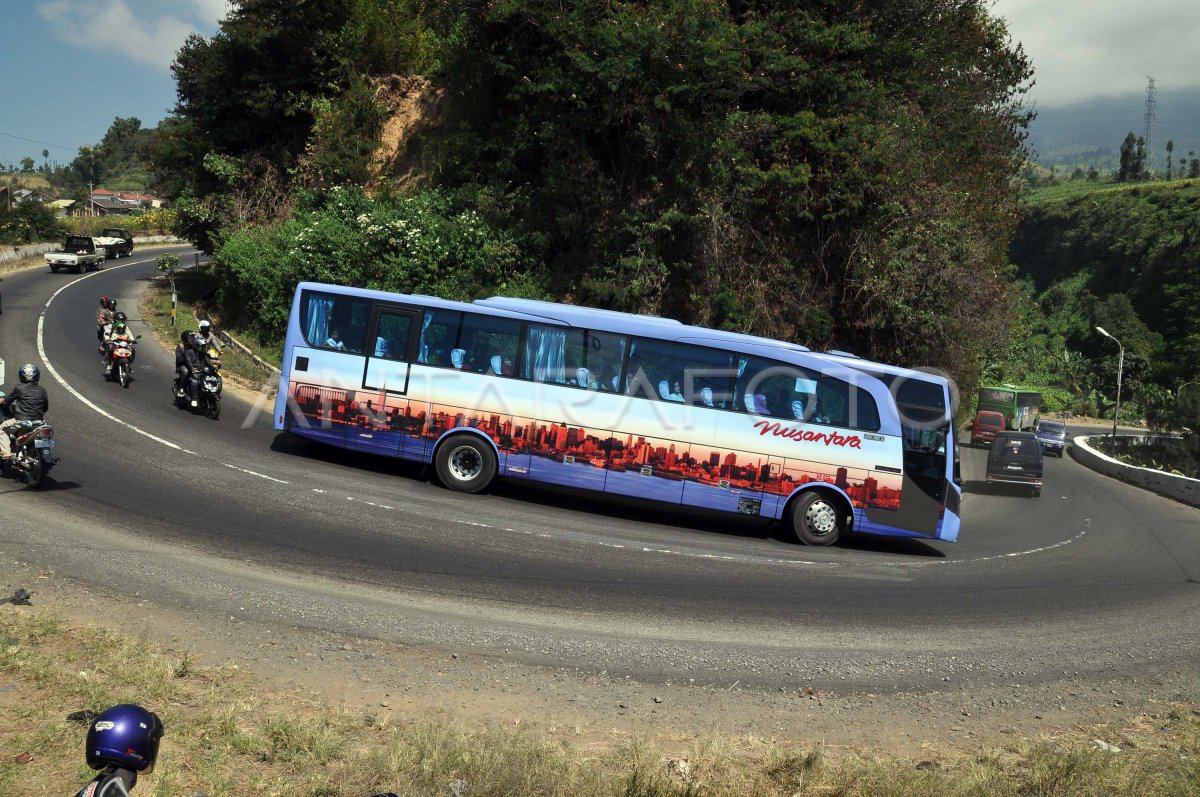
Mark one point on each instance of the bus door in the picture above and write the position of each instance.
(382, 404)
(928, 457)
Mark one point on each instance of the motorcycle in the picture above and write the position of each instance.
(32, 452)
(208, 394)
(122, 360)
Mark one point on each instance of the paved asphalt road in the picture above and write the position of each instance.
(1095, 576)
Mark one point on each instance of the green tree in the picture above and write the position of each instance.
(1170, 149)
(27, 164)
(1127, 170)
(254, 92)
(30, 222)
(792, 160)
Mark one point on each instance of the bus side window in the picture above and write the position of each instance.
(489, 342)
(439, 334)
(392, 331)
(603, 355)
(325, 312)
(678, 372)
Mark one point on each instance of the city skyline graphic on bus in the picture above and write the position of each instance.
(733, 478)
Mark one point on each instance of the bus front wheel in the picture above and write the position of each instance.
(465, 463)
(816, 519)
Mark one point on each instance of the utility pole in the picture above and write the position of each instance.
(1151, 153)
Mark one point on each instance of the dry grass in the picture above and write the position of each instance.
(227, 735)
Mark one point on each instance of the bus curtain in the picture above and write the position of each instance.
(423, 354)
(319, 308)
(546, 353)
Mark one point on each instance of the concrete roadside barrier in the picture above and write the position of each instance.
(1181, 488)
(10, 254)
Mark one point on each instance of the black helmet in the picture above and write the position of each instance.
(125, 736)
(120, 317)
(30, 373)
(185, 337)
(112, 304)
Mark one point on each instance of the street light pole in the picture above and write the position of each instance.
(1120, 367)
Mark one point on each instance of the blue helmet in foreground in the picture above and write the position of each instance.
(125, 736)
(29, 373)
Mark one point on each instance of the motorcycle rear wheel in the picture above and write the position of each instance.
(33, 476)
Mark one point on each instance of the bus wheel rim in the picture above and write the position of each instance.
(465, 463)
(820, 519)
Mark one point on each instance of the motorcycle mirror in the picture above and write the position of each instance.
(137, 337)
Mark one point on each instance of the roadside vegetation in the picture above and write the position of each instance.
(227, 734)
(1124, 257)
(195, 287)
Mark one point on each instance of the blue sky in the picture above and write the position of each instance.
(72, 66)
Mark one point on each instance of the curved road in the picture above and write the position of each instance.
(1093, 577)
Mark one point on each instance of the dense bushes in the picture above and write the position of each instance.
(416, 244)
(30, 222)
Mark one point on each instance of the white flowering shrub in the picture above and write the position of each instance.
(414, 244)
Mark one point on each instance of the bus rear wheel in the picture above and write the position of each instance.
(816, 519)
(465, 463)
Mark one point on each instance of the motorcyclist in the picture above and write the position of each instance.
(106, 344)
(104, 317)
(182, 369)
(27, 401)
(121, 742)
(120, 334)
(209, 334)
(197, 358)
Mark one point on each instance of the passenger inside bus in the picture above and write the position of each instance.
(334, 341)
(670, 392)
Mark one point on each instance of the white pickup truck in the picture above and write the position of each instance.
(80, 253)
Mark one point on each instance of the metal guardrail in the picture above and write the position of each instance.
(244, 349)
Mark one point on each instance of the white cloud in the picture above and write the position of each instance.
(149, 35)
(1084, 48)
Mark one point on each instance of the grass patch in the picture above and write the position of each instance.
(227, 735)
(1073, 189)
(194, 288)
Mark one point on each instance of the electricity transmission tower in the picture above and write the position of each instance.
(1151, 152)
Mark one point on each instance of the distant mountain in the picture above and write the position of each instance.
(1090, 132)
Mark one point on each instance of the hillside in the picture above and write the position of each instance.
(1089, 133)
(1121, 257)
(1125, 236)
